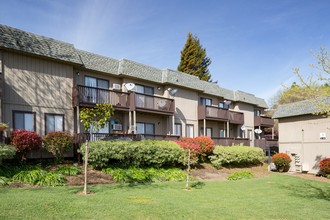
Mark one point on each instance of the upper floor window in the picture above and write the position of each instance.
(96, 83)
(24, 120)
(223, 105)
(257, 112)
(144, 89)
(54, 122)
(206, 101)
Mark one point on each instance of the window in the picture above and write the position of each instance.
(94, 95)
(250, 134)
(144, 89)
(54, 122)
(257, 112)
(145, 128)
(222, 133)
(223, 105)
(178, 129)
(190, 131)
(104, 130)
(206, 101)
(208, 132)
(24, 120)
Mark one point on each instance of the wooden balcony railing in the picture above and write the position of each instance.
(212, 113)
(89, 96)
(236, 117)
(265, 143)
(81, 138)
(231, 141)
(150, 103)
(263, 121)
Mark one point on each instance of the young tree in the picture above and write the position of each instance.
(194, 60)
(95, 118)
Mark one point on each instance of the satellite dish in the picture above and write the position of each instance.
(243, 128)
(129, 86)
(172, 91)
(161, 103)
(258, 131)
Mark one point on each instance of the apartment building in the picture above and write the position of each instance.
(45, 82)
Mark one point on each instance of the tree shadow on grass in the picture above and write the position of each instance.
(308, 191)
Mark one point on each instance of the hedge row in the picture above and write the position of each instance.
(236, 155)
(146, 153)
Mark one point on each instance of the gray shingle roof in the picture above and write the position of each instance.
(15, 39)
(299, 108)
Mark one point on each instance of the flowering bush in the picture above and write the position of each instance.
(325, 165)
(205, 143)
(281, 161)
(57, 142)
(25, 141)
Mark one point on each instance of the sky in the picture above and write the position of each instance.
(253, 44)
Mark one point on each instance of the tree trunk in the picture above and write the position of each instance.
(188, 170)
(85, 167)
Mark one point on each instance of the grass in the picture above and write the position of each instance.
(274, 197)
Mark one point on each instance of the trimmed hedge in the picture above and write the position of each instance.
(236, 155)
(146, 153)
(282, 162)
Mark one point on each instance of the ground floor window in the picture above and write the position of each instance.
(145, 128)
(222, 133)
(24, 120)
(208, 132)
(190, 131)
(178, 129)
(104, 130)
(54, 122)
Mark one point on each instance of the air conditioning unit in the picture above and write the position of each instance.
(117, 127)
(116, 86)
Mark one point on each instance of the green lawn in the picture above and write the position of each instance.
(274, 197)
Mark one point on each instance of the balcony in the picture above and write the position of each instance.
(212, 113)
(230, 141)
(263, 121)
(152, 104)
(89, 96)
(236, 117)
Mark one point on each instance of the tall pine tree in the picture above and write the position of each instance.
(194, 60)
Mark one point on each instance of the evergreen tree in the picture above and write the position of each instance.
(194, 60)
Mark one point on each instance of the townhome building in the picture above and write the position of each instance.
(44, 83)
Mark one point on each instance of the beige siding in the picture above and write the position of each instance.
(248, 111)
(301, 136)
(37, 85)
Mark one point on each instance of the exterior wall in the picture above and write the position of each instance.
(186, 109)
(37, 85)
(300, 138)
(248, 111)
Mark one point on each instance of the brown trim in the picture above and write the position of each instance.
(53, 114)
(24, 112)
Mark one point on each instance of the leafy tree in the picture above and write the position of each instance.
(194, 60)
(97, 118)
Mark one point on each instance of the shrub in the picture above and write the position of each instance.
(243, 174)
(25, 141)
(236, 156)
(281, 161)
(195, 150)
(137, 153)
(6, 151)
(68, 170)
(57, 142)
(325, 165)
(206, 144)
(140, 175)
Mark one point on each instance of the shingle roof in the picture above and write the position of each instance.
(299, 108)
(15, 39)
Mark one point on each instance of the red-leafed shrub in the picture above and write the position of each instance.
(282, 162)
(195, 150)
(57, 142)
(25, 141)
(206, 144)
(325, 166)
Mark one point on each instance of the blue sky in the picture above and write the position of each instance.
(253, 44)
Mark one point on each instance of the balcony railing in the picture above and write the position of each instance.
(89, 96)
(265, 143)
(81, 138)
(212, 113)
(236, 117)
(231, 141)
(150, 103)
(263, 121)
